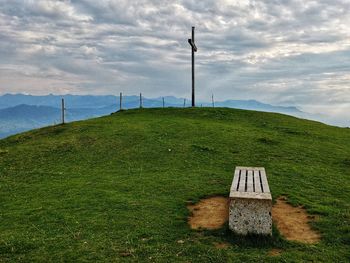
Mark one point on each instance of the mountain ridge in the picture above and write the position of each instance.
(81, 101)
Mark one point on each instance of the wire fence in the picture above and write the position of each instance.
(70, 114)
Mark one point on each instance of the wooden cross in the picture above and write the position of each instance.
(194, 49)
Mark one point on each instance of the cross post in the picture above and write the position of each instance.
(194, 49)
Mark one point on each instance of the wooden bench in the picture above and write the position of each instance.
(250, 202)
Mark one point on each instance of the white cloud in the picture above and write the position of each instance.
(279, 51)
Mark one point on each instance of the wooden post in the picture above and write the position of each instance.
(63, 111)
(193, 84)
(212, 100)
(140, 100)
(163, 103)
(184, 103)
(120, 101)
(194, 49)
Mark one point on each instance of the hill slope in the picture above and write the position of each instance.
(116, 187)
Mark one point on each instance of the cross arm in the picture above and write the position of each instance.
(193, 45)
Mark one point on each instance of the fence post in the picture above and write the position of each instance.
(184, 103)
(163, 103)
(140, 100)
(120, 101)
(63, 111)
(212, 100)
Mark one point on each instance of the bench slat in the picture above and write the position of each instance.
(264, 182)
(257, 181)
(250, 185)
(235, 181)
(242, 181)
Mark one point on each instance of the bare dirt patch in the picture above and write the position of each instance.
(209, 213)
(275, 252)
(292, 222)
(221, 245)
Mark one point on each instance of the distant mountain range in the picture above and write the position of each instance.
(19, 112)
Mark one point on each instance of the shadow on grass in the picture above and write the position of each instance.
(249, 241)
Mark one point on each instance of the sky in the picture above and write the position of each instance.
(282, 52)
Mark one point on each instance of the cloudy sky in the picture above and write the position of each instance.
(283, 52)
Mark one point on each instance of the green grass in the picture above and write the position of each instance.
(115, 188)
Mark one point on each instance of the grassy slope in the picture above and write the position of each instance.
(116, 187)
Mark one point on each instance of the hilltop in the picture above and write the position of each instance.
(20, 112)
(116, 188)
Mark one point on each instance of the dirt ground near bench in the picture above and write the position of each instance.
(209, 213)
(292, 222)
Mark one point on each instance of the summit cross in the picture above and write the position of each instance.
(194, 49)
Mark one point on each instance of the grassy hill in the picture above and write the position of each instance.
(116, 188)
